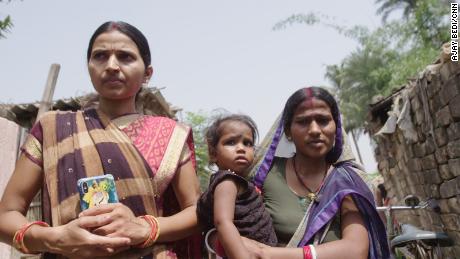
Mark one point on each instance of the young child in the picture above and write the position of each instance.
(231, 204)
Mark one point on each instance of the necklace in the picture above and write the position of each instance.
(312, 195)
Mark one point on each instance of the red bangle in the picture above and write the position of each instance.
(18, 239)
(154, 231)
(307, 252)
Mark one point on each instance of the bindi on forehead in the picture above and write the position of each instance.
(309, 97)
(114, 26)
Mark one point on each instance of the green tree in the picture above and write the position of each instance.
(389, 6)
(357, 79)
(386, 57)
(418, 39)
(198, 122)
(5, 24)
(430, 20)
(409, 7)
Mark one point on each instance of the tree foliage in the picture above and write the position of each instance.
(5, 24)
(389, 6)
(386, 57)
(198, 122)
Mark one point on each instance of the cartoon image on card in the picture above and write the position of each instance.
(97, 190)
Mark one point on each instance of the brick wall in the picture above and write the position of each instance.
(427, 165)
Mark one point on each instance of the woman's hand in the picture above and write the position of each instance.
(117, 220)
(74, 240)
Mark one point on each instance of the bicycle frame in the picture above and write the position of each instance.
(388, 210)
(417, 246)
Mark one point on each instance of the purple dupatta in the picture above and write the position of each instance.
(343, 181)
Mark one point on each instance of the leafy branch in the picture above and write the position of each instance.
(385, 57)
(5, 24)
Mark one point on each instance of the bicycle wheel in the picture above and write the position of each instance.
(437, 253)
(420, 252)
(412, 250)
(427, 251)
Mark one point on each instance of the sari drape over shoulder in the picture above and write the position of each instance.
(143, 153)
(344, 178)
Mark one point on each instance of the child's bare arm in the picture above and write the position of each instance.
(224, 209)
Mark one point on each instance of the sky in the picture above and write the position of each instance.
(206, 54)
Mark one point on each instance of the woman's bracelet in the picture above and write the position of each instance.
(309, 252)
(18, 239)
(154, 231)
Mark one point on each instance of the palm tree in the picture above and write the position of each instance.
(361, 76)
(389, 6)
(350, 110)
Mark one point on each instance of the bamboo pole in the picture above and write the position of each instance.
(47, 98)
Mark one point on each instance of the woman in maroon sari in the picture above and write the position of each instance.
(151, 159)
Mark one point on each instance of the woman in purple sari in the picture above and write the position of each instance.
(320, 206)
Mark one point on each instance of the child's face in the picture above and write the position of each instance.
(235, 149)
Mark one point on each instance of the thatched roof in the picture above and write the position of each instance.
(380, 107)
(150, 101)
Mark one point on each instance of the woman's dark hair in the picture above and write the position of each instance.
(214, 131)
(319, 93)
(132, 32)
